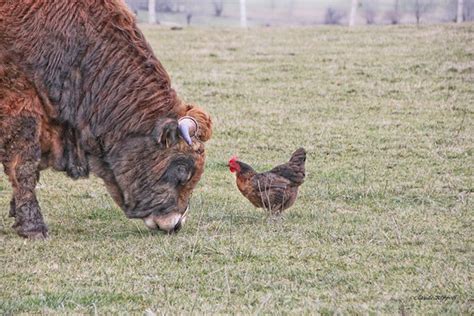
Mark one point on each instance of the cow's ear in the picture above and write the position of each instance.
(166, 132)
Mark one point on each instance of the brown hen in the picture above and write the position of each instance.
(274, 190)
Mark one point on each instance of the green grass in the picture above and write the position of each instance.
(383, 223)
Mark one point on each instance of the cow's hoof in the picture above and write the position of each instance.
(12, 211)
(36, 233)
(77, 171)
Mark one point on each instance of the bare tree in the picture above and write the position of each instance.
(189, 16)
(152, 11)
(369, 16)
(460, 14)
(417, 10)
(394, 15)
(353, 13)
(333, 16)
(370, 11)
(189, 9)
(166, 5)
(468, 10)
(420, 7)
(218, 7)
(396, 9)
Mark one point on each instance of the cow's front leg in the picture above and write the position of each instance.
(22, 167)
(11, 212)
(28, 219)
(12, 207)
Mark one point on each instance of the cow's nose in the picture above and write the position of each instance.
(169, 223)
(181, 221)
(177, 227)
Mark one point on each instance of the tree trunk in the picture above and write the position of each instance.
(460, 14)
(189, 11)
(218, 7)
(417, 11)
(352, 17)
(152, 11)
(397, 11)
(243, 14)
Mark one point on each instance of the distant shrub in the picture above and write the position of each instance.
(369, 16)
(392, 16)
(468, 10)
(218, 7)
(369, 10)
(333, 16)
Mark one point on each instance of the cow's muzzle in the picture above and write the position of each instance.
(169, 223)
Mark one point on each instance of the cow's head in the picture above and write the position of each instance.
(154, 175)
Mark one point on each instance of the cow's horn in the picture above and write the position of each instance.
(188, 127)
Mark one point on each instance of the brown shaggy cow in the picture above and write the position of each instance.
(81, 91)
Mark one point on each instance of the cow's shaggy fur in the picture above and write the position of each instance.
(81, 91)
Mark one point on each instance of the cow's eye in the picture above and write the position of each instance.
(183, 174)
(179, 171)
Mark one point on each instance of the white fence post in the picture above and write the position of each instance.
(459, 16)
(352, 17)
(151, 11)
(243, 14)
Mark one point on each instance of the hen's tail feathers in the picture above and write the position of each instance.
(296, 163)
(298, 157)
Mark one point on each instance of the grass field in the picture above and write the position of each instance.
(383, 222)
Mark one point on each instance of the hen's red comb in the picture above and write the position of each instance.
(234, 158)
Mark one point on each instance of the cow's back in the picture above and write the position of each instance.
(89, 62)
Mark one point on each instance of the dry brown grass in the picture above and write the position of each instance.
(384, 220)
